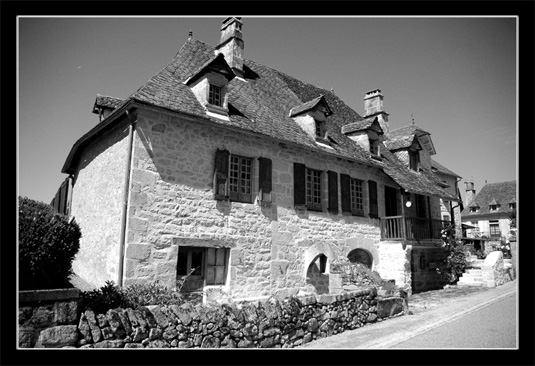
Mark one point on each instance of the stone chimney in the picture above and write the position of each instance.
(231, 44)
(470, 192)
(373, 105)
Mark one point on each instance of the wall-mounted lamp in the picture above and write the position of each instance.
(408, 198)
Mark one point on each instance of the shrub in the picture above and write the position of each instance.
(360, 275)
(456, 263)
(101, 300)
(48, 242)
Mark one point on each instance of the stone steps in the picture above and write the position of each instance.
(472, 277)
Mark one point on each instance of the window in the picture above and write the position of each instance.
(372, 191)
(240, 178)
(313, 189)
(355, 188)
(512, 206)
(493, 207)
(233, 178)
(209, 266)
(374, 147)
(214, 95)
(414, 160)
(319, 129)
(494, 228)
(474, 209)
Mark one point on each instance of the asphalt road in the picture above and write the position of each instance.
(492, 326)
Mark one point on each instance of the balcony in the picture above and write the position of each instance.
(411, 228)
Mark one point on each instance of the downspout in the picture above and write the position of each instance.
(132, 116)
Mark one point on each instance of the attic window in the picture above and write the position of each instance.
(474, 209)
(494, 207)
(512, 206)
(414, 159)
(320, 129)
(214, 96)
(374, 147)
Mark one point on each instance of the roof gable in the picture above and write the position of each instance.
(216, 64)
(401, 137)
(310, 105)
(371, 123)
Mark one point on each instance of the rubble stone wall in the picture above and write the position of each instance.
(270, 323)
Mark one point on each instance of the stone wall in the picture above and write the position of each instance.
(271, 323)
(172, 205)
(96, 206)
(48, 318)
(493, 270)
(428, 267)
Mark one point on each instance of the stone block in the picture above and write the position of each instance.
(58, 336)
(138, 251)
(85, 329)
(111, 343)
(159, 316)
(96, 334)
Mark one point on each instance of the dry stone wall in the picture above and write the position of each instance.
(271, 323)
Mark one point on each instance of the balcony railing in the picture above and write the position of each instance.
(411, 228)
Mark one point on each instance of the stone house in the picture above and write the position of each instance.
(252, 181)
(488, 211)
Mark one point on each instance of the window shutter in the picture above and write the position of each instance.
(346, 193)
(372, 191)
(265, 174)
(333, 191)
(221, 174)
(299, 184)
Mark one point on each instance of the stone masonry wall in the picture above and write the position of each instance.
(96, 206)
(260, 324)
(172, 204)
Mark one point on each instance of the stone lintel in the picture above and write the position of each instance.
(49, 295)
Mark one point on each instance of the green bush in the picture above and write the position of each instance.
(456, 263)
(48, 242)
(101, 300)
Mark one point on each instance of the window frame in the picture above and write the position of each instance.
(205, 266)
(494, 228)
(213, 99)
(414, 160)
(314, 189)
(353, 196)
(245, 166)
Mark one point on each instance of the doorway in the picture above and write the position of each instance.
(391, 201)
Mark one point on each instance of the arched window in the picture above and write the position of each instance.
(360, 256)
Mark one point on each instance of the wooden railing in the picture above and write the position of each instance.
(411, 228)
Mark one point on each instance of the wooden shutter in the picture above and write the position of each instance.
(299, 184)
(332, 185)
(265, 174)
(372, 192)
(346, 193)
(221, 174)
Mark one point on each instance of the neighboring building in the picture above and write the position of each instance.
(255, 181)
(488, 211)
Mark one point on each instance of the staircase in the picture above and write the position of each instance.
(472, 276)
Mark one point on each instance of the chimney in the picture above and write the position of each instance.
(231, 44)
(373, 105)
(470, 192)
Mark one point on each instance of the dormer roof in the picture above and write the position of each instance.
(103, 101)
(402, 138)
(493, 202)
(310, 105)
(363, 125)
(474, 204)
(216, 64)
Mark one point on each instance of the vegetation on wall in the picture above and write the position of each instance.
(48, 242)
(457, 260)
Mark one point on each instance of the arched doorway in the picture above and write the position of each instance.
(316, 275)
(361, 256)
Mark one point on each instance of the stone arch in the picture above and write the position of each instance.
(365, 244)
(313, 252)
(362, 256)
(317, 267)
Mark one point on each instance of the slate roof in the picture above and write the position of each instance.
(442, 169)
(362, 125)
(308, 106)
(403, 137)
(106, 101)
(260, 102)
(492, 193)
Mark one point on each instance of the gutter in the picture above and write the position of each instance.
(132, 116)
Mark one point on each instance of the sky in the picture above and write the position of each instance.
(456, 77)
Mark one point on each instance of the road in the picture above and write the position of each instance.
(492, 326)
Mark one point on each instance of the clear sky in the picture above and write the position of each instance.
(455, 76)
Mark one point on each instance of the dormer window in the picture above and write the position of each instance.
(414, 159)
(210, 83)
(374, 147)
(320, 129)
(214, 96)
(312, 118)
(512, 206)
(494, 207)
